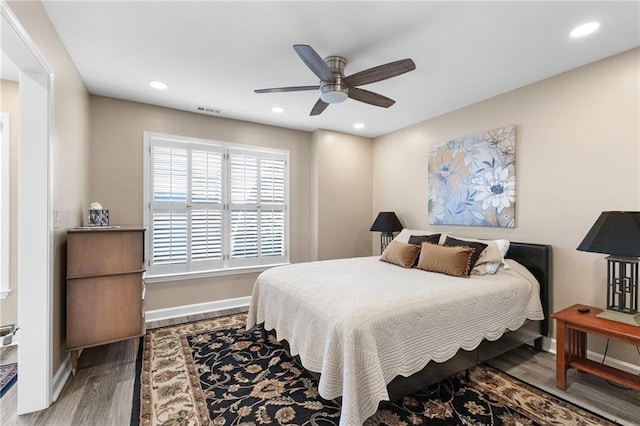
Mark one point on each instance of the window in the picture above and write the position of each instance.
(212, 207)
(5, 285)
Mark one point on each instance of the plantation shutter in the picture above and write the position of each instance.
(206, 208)
(272, 207)
(214, 207)
(186, 208)
(257, 208)
(169, 234)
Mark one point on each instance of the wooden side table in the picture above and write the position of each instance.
(572, 328)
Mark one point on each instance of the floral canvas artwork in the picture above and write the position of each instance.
(472, 180)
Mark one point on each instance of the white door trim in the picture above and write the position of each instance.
(35, 265)
(5, 211)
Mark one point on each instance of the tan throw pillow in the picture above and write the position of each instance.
(454, 261)
(401, 254)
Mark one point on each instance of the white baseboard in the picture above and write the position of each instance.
(61, 377)
(549, 345)
(198, 308)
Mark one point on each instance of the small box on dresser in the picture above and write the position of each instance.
(104, 287)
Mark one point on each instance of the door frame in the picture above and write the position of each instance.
(35, 239)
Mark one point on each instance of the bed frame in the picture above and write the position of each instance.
(537, 259)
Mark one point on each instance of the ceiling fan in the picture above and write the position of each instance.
(335, 87)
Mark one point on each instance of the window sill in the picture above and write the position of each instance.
(4, 293)
(150, 279)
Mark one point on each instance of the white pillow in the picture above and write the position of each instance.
(405, 234)
(503, 245)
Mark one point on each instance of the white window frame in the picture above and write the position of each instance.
(5, 207)
(226, 266)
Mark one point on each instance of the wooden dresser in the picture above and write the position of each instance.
(105, 290)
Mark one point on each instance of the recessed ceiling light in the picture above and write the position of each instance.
(277, 110)
(584, 29)
(358, 126)
(158, 85)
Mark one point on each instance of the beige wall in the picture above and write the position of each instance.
(341, 179)
(117, 128)
(578, 154)
(69, 153)
(9, 103)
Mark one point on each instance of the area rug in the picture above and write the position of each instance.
(213, 372)
(8, 376)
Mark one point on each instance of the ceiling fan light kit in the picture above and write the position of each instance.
(333, 93)
(334, 87)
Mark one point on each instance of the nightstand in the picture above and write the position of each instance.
(572, 328)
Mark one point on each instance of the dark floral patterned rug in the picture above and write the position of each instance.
(8, 376)
(213, 372)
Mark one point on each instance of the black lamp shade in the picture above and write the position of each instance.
(387, 223)
(616, 233)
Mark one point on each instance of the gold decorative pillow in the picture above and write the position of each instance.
(454, 261)
(401, 254)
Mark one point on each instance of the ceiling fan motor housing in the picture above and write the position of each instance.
(336, 91)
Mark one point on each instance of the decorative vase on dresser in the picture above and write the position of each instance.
(105, 290)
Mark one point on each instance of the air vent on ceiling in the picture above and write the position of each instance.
(208, 110)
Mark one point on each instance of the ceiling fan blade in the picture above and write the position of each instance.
(370, 97)
(381, 72)
(315, 63)
(319, 107)
(287, 89)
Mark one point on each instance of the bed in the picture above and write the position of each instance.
(365, 326)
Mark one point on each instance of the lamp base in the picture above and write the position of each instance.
(631, 319)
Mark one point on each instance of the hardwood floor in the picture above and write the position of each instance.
(590, 392)
(101, 392)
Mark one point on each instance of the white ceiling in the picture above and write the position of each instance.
(216, 53)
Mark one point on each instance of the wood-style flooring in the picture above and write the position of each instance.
(592, 393)
(101, 392)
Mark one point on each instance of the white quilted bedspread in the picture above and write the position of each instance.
(361, 322)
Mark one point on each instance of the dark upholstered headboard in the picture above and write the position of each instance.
(537, 259)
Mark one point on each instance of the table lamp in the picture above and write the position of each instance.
(387, 223)
(618, 235)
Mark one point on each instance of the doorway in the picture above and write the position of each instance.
(34, 250)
